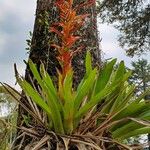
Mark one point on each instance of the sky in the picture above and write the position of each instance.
(17, 19)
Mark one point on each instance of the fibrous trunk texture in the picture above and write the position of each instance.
(41, 50)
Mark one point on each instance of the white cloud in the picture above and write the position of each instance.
(110, 45)
(16, 19)
(2, 43)
(23, 9)
(7, 74)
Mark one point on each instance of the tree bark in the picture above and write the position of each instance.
(41, 50)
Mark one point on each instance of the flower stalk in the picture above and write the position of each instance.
(66, 29)
(70, 22)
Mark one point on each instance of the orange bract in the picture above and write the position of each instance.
(69, 23)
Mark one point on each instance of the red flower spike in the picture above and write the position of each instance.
(65, 60)
(70, 22)
(56, 46)
(52, 29)
(70, 2)
(71, 40)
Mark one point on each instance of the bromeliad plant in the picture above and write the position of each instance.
(119, 111)
(103, 105)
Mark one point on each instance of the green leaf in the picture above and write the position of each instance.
(94, 101)
(55, 113)
(120, 71)
(47, 79)
(50, 96)
(132, 110)
(110, 88)
(69, 103)
(47, 83)
(53, 100)
(109, 101)
(35, 72)
(123, 98)
(28, 89)
(84, 89)
(67, 86)
(143, 130)
(88, 63)
(131, 125)
(104, 76)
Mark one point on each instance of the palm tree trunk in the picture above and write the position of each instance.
(41, 51)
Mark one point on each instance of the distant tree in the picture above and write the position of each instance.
(141, 77)
(7, 119)
(132, 19)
